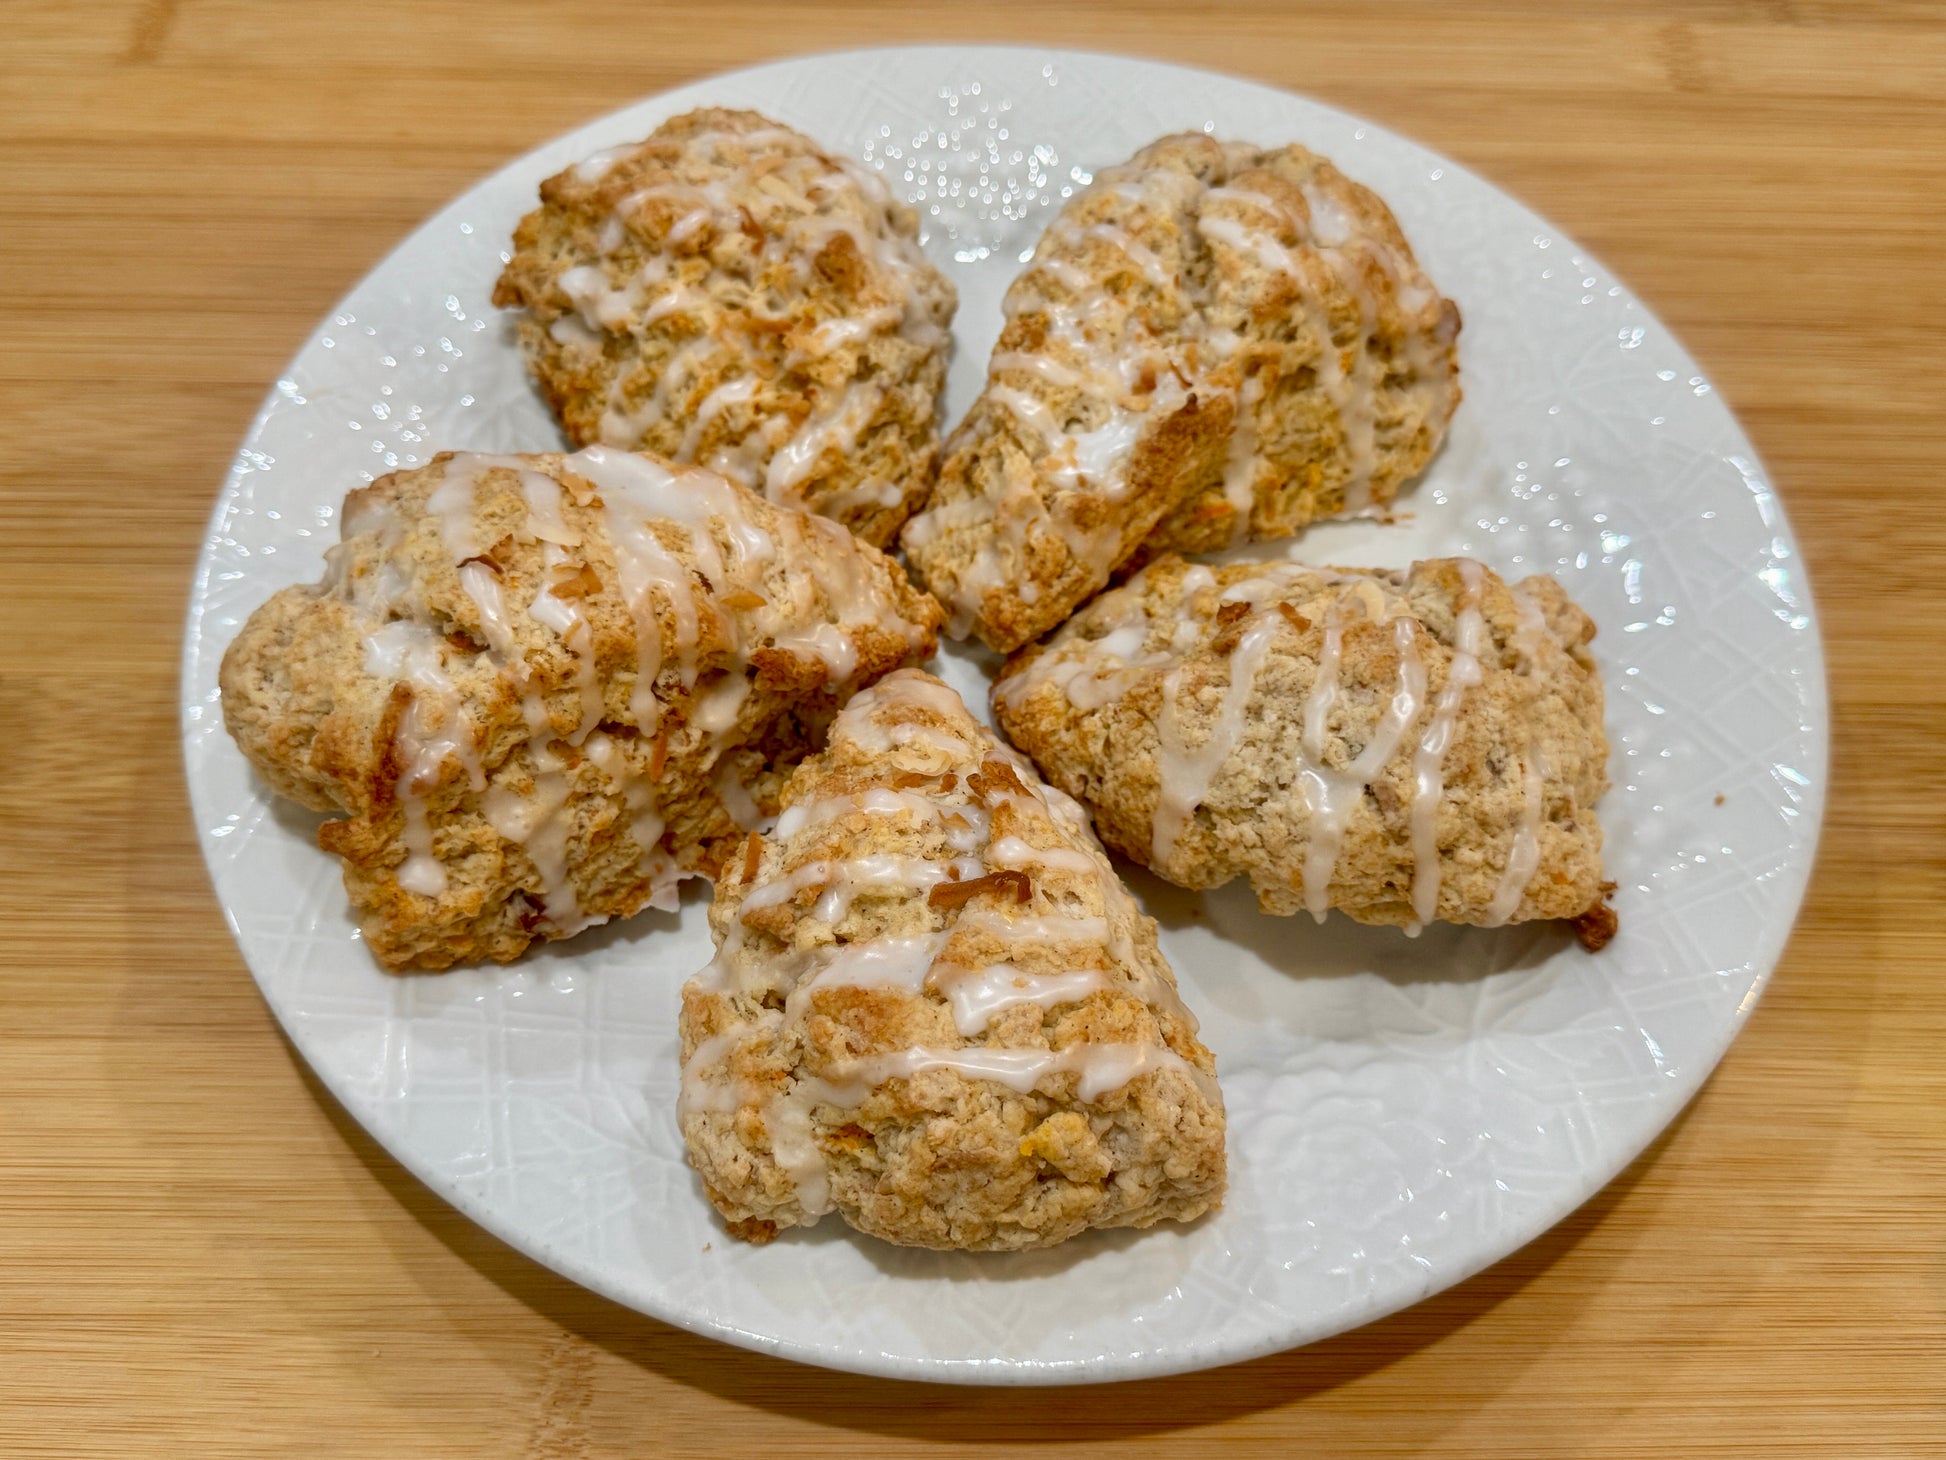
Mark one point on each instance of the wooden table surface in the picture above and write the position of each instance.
(200, 1254)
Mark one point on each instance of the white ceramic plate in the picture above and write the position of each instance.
(1402, 1113)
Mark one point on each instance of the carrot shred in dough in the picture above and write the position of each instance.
(958, 894)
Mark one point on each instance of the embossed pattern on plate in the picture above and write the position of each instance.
(1402, 1112)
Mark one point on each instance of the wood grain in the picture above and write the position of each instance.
(200, 1254)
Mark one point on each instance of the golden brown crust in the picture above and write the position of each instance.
(1596, 927)
(466, 687)
(1214, 343)
(1234, 721)
(727, 292)
(974, 1071)
(1346, 358)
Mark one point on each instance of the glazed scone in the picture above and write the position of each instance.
(1402, 746)
(1215, 342)
(542, 689)
(727, 292)
(1343, 355)
(1094, 423)
(935, 1009)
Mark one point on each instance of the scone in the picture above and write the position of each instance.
(934, 1008)
(1402, 746)
(1216, 342)
(727, 292)
(541, 689)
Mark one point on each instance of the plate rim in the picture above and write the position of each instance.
(1813, 698)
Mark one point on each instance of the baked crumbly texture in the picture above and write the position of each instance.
(542, 689)
(726, 292)
(935, 1009)
(1216, 342)
(1402, 746)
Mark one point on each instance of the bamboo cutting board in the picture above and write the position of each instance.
(200, 1254)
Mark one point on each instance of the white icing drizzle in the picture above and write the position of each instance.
(599, 306)
(1269, 254)
(965, 837)
(1351, 396)
(1133, 249)
(1331, 223)
(832, 430)
(1230, 192)
(976, 995)
(1240, 466)
(1463, 672)
(570, 331)
(1355, 411)
(881, 962)
(636, 493)
(730, 393)
(736, 798)
(1098, 458)
(433, 728)
(1186, 775)
(1103, 1068)
(1016, 853)
(835, 334)
(1053, 371)
(786, 1118)
(698, 1094)
(962, 595)
(451, 502)
(1524, 856)
(1092, 672)
(593, 169)
(544, 516)
(646, 824)
(788, 1124)
(565, 618)
(643, 564)
(537, 823)
(622, 425)
(680, 300)
(1028, 411)
(856, 598)
(871, 733)
(1037, 928)
(840, 882)
(482, 585)
(1330, 796)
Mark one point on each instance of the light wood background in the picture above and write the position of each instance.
(200, 1255)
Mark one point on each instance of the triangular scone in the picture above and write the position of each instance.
(1343, 355)
(1214, 342)
(1402, 746)
(727, 292)
(543, 688)
(935, 1009)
